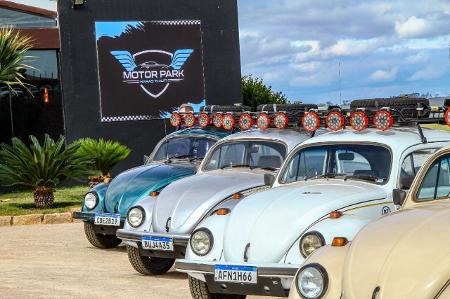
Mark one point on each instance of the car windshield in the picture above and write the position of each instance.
(249, 154)
(184, 148)
(349, 161)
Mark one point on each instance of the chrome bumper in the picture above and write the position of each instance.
(126, 235)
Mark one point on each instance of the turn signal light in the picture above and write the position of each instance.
(335, 214)
(237, 196)
(154, 194)
(339, 242)
(223, 212)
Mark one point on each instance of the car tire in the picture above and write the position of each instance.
(148, 265)
(406, 105)
(286, 107)
(199, 290)
(99, 240)
(225, 109)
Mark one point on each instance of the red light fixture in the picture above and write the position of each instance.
(447, 117)
(359, 121)
(383, 120)
(46, 100)
(175, 119)
(335, 121)
(189, 120)
(280, 120)
(217, 120)
(311, 121)
(228, 121)
(204, 120)
(245, 121)
(263, 121)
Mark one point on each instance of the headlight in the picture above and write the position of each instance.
(136, 216)
(90, 200)
(312, 281)
(201, 242)
(310, 242)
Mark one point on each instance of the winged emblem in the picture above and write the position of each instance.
(125, 59)
(180, 57)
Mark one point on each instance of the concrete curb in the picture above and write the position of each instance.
(32, 219)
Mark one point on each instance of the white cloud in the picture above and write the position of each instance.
(427, 73)
(384, 75)
(413, 27)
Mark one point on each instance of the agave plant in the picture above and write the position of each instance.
(13, 49)
(104, 155)
(41, 167)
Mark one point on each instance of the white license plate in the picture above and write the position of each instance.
(237, 274)
(157, 243)
(107, 219)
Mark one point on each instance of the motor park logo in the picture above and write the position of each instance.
(153, 76)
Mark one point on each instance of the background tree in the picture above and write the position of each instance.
(41, 167)
(13, 49)
(104, 155)
(255, 93)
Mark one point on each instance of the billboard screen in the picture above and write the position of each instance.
(147, 69)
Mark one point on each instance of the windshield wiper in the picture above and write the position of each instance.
(365, 177)
(265, 168)
(321, 176)
(235, 166)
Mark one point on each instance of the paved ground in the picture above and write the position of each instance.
(56, 261)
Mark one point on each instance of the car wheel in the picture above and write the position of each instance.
(99, 240)
(199, 290)
(148, 265)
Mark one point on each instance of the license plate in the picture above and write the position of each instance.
(237, 274)
(107, 219)
(157, 243)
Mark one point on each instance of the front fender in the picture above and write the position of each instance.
(332, 260)
(100, 190)
(346, 226)
(216, 225)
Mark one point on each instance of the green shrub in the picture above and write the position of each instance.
(41, 167)
(103, 154)
(255, 93)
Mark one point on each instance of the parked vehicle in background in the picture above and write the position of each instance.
(176, 156)
(333, 184)
(158, 230)
(403, 255)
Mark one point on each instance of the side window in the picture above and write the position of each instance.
(411, 165)
(436, 183)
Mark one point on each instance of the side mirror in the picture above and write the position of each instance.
(146, 159)
(269, 179)
(399, 196)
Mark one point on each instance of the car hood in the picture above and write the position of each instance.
(134, 184)
(272, 220)
(183, 204)
(406, 254)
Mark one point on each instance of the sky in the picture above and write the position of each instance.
(320, 51)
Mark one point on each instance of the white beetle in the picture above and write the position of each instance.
(331, 185)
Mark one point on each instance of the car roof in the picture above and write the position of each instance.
(213, 132)
(397, 138)
(289, 136)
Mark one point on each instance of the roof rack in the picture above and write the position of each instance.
(382, 114)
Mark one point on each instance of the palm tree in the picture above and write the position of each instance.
(13, 49)
(41, 167)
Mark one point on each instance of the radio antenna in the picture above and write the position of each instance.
(340, 85)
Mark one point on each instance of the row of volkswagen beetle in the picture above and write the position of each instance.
(267, 202)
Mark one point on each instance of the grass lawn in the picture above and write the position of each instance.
(22, 203)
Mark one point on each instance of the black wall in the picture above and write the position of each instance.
(79, 63)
